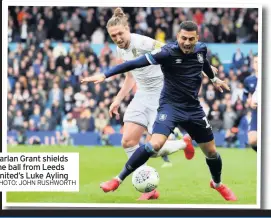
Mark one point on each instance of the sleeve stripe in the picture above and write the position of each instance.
(150, 59)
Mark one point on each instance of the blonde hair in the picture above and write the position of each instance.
(118, 18)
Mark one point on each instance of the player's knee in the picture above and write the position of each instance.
(127, 143)
(157, 145)
(252, 139)
(211, 154)
(209, 149)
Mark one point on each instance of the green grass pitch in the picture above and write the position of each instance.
(187, 182)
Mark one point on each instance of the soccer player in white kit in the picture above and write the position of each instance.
(142, 111)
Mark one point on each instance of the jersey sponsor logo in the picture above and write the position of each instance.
(162, 117)
(156, 51)
(200, 58)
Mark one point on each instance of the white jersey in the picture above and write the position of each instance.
(148, 79)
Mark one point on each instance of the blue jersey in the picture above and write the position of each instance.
(182, 74)
(250, 84)
(179, 105)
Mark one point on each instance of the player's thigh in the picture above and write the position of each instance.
(136, 113)
(163, 126)
(135, 123)
(165, 120)
(132, 133)
(151, 114)
(200, 130)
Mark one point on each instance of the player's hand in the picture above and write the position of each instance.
(214, 69)
(220, 85)
(95, 79)
(253, 105)
(113, 109)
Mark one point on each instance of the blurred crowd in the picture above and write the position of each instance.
(70, 24)
(44, 90)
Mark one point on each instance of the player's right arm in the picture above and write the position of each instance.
(158, 56)
(128, 84)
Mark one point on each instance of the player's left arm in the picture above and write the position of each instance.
(218, 83)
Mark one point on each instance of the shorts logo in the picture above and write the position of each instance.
(200, 58)
(162, 117)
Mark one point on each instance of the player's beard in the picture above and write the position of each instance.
(188, 49)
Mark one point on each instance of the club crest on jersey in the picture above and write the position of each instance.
(200, 58)
(162, 117)
(134, 51)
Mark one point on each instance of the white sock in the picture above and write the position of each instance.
(171, 146)
(216, 185)
(131, 150)
(117, 177)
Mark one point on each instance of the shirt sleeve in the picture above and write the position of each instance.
(206, 66)
(127, 66)
(148, 44)
(158, 56)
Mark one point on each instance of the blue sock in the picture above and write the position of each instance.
(254, 147)
(139, 157)
(215, 167)
(165, 158)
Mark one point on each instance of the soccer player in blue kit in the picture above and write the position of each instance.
(182, 63)
(250, 93)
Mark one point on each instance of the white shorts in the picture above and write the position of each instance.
(142, 110)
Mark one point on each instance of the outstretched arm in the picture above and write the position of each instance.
(127, 66)
(118, 69)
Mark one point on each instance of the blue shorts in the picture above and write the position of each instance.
(194, 122)
(253, 122)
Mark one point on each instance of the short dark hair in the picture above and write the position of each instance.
(189, 26)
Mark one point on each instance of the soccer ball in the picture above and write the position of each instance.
(145, 179)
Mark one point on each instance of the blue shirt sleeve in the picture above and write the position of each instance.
(246, 90)
(206, 66)
(157, 56)
(127, 66)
